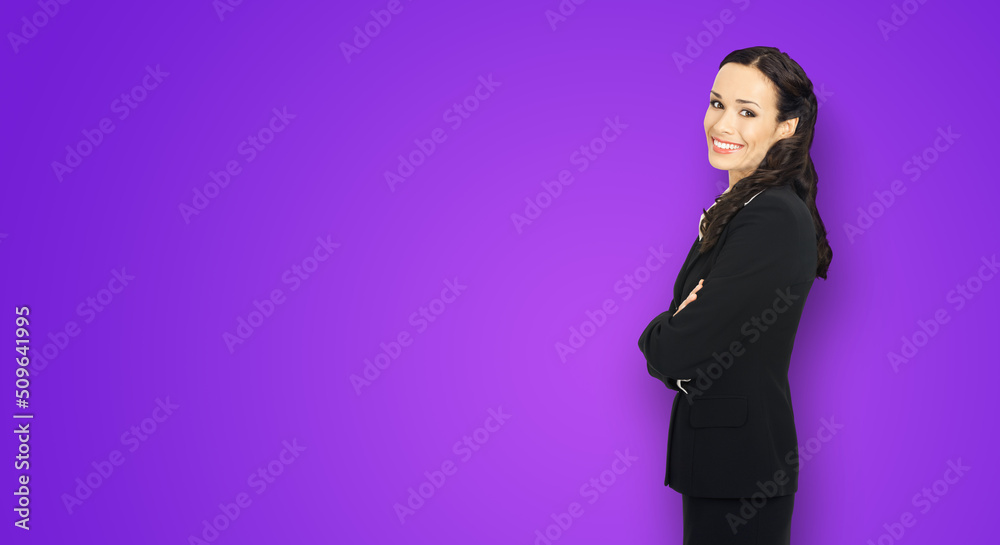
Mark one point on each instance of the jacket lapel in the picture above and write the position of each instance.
(686, 270)
(694, 258)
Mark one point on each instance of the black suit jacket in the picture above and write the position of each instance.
(733, 433)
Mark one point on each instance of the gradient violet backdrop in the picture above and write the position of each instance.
(884, 103)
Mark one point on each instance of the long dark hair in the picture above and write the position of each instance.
(788, 160)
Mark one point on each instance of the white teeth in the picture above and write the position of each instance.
(725, 146)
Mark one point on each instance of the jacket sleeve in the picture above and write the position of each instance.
(652, 370)
(754, 263)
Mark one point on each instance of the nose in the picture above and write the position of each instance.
(724, 125)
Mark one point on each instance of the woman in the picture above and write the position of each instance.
(732, 450)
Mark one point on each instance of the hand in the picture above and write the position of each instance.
(691, 297)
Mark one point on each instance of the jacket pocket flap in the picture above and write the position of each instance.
(719, 412)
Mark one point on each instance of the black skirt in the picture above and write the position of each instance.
(756, 520)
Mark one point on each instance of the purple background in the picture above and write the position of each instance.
(884, 101)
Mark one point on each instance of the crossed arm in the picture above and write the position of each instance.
(675, 384)
(751, 265)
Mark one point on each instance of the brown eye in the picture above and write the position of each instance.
(713, 102)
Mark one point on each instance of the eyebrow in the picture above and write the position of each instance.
(739, 100)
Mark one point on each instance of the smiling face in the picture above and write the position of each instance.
(742, 114)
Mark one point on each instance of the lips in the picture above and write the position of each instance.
(725, 142)
(725, 151)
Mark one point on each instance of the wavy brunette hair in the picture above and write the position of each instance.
(788, 160)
